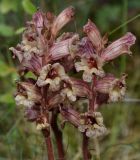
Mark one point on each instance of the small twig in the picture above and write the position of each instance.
(58, 137)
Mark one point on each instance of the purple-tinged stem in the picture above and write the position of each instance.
(86, 153)
(48, 142)
(58, 137)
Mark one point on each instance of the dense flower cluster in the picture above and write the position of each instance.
(55, 60)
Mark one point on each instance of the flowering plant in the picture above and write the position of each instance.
(57, 88)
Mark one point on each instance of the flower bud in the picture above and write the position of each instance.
(61, 20)
(93, 34)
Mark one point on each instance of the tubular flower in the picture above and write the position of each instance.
(75, 88)
(28, 94)
(61, 20)
(92, 124)
(52, 75)
(94, 35)
(89, 123)
(118, 47)
(89, 67)
(112, 86)
(97, 51)
(64, 48)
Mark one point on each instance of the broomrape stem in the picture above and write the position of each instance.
(46, 131)
(48, 142)
(58, 137)
(86, 153)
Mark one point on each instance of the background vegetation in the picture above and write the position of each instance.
(19, 140)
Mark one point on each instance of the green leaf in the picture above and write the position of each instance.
(28, 7)
(7, 98)
(20, 30)
(6, 30)
(5, 70)
(7, 5)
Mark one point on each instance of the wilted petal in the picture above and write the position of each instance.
(42, 123)
(61, 20)
(32, 91)
(93, 34)
(28, 94)
(17, 52)
(119, 47)
(22, 100)
(64, 48)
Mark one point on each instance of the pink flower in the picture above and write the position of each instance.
(64, 48)
(112, 86)
(28, 94)
(52, 75)
(118, 47)
(94, 35)
(61, 20)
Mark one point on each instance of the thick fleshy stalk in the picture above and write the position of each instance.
(58, 136)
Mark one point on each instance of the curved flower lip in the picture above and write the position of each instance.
(119, 47)
(17, 52)
(84, 65)
(61, 20)
(92, 124)
(28, 94)
(64, 48)
(93, 34)
(52, 75)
